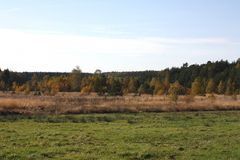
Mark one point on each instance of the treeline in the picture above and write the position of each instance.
(219, 77)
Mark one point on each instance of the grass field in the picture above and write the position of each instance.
(179, 135)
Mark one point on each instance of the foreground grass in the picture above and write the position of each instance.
(181, 135)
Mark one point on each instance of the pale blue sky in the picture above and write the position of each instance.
(56, 35)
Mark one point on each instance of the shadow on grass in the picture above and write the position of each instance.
(94, 118)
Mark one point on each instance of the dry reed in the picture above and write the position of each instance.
(73, 103)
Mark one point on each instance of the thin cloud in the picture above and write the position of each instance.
(187, 41)
(110, 30)
(60, 43)
(53, 51)
(10, 10)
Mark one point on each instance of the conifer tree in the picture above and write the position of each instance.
(229, 87)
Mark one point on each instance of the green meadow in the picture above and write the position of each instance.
(179, 135)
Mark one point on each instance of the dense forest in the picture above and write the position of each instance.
(220, 77)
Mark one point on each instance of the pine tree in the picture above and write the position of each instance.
(114, 87)
(229, 87)
(34, 83)
(2, 85)
(166, 82)
(99, 82)
(237, 78)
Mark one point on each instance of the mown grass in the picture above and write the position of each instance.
(179, 135)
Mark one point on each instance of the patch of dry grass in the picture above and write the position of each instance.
(24, 105)
(73, 103)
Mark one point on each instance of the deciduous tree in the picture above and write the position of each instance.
(196, 87)
(221, 87)
(210, 86)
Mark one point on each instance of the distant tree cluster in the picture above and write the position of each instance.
(219, 77)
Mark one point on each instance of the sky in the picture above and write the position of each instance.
(116, 35)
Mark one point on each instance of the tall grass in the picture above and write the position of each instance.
(75, 104)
